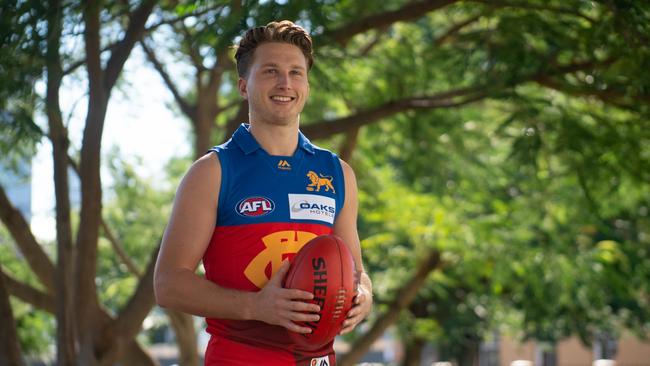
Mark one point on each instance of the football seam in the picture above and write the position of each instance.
(339, 302)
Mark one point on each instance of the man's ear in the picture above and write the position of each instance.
(243, 87)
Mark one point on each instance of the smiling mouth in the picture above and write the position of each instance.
(279, 98)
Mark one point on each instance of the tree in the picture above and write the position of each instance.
(86, 333)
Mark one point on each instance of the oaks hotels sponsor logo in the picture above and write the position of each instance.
(255, 206)
(312, 207)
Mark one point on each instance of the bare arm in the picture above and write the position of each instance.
(176, 284)
(346, 228)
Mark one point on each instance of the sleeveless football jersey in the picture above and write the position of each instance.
(269, 207)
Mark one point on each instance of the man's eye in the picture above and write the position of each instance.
(270, 71)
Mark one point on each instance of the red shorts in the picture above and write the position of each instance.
(224, 352)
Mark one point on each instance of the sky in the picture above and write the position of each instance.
(138, 121)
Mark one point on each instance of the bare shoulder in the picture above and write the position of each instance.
(348, 174)
(203, 178)
(206, 167)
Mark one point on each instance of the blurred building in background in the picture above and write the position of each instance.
(626, 351)
(17, 183)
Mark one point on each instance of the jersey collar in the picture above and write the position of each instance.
(248, 144)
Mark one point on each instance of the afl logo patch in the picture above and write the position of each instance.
(255, 206)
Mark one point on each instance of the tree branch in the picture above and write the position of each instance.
(222, 64)
(593, 203)
(527, 5)
(402, 299)
(129, 321)
(77, 64)
(119, 249)
(185, 335)
(108, 233)
(175, 20)
(241, 116)
(453, 98)
(186, 108)
(93, 51)
(19, 229)
(607, 95)
(365, 50)
(193, 52)
(123, 49)
(573, 67)
(349, 144)
(410, 11)
(445, 37)
(28, 294)
(231, 104)
(9, 346)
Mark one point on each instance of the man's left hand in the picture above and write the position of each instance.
(362, 305)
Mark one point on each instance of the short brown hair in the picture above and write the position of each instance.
(284, 31)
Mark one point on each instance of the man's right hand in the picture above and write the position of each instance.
(280, 306)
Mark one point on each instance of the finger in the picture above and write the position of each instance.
(359, 298)
(296, 316)
(356, 310)
(351, 322)
(304, 307)
(278, 276)
(295, 294)
(352, 313)
(304, 317)
(296, 328)
(346, 329)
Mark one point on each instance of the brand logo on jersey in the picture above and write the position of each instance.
(280, 245)
(255, 206)
(320, 361)
(312, 207)
(316, 181)
(284, 165)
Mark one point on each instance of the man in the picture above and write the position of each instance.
(240, 209)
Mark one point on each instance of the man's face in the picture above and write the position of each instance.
(276, 86)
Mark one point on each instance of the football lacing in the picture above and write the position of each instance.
(339, 304)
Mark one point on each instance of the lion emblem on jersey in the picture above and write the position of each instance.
(317, 181)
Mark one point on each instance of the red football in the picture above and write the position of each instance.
(324, 267)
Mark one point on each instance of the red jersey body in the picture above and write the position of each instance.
(269, 207)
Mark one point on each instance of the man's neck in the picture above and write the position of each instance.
(276, 139)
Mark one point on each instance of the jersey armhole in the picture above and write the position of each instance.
(223, 181)
(339, 197)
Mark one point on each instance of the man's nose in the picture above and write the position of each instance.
(284, 81)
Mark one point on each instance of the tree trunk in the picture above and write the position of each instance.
(202, 136)
(349, 144)
(135, 355)
(65, 310)
(469, 356)
(402, 299)
(183, 325)
(9, 346)
(413, 351)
